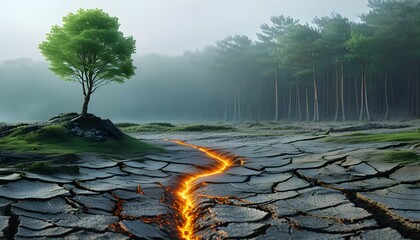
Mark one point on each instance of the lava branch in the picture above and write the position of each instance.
(186, 198)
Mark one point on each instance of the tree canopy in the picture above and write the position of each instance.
(89, 48)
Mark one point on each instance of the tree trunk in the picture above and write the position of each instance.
(362, 94)
(416, 79)
(336, 92)
(409, 88)
(342, 93)
(85, 106)
(260, 97)
(391, 82)
(298, 102)
(239, 106)
(386, 97)
(276, 89)
(366, 100)
(349, 94)
(290, 102)
(316, 108)
(235, 105)
(355, 94)
(226, 99)
(307, 100)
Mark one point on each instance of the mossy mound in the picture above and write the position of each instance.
(65, 134)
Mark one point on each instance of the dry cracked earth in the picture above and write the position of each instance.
(281, 187)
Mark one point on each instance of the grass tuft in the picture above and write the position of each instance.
(361, 137)
(401, 156)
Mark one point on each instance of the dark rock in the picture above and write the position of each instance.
(7, 129)
(66, 158)
(53, 205)
(14, 158)
(85, 235)
(87, 221)
(231, 213)
(94, 127)
(143, 230)
(144, 206)
(63, 117)
(47, 232)
(27, 189)
(34, 224)
(384, 233)
(96, 202)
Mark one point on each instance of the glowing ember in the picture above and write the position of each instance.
(187, 205)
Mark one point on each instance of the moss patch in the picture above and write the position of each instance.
(167, 127)
(361, 137)
(47, 168)
(54, 140)
(151, 127)
(401, 156)
(202, 128)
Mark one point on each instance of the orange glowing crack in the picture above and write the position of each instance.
(187, 205)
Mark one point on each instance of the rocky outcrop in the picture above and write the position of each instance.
(90, 126)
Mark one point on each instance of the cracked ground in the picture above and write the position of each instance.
(291, 186)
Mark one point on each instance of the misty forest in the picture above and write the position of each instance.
(303, 130)
(329, 69)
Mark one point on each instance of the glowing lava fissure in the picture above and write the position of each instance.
(186, 198)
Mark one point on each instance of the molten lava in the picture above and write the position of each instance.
(186, 198)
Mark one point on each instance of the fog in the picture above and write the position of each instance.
(164, 89)
(159, 26)
(178, 78)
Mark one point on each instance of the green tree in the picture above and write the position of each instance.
(300, 50)
(335, 31)
(234, 56)
(270, 51)
(89, 48)
(360, 48)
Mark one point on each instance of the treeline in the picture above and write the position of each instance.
(331, 69)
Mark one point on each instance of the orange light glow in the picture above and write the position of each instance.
(186, 198)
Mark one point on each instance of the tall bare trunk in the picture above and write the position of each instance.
(366, 99)
(391, 82)
(226, 99)
(416, 79)
(307, 100)
(235, 104)
(343, 112)
(386, 97)
(290, 102)
(260, 98)
(276, 89)
(316, 107)
(362, 94)
(298, 101)
(356, 89)
(336, 92)
(239, 105)
(409, 89)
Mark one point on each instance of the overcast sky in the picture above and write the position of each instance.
(160, 26)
